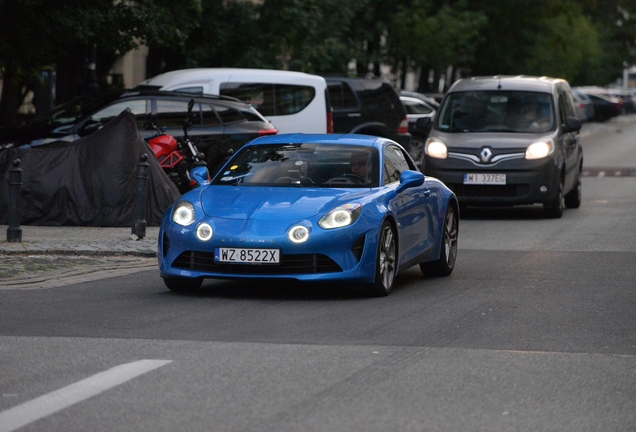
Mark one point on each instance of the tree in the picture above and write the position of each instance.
(67, 27)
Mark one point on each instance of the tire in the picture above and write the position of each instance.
(384, 262)
(448, 251)
(182, 285)
(573, 198)
(554, 210)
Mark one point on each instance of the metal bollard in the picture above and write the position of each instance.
(139, 226)
(14, 232)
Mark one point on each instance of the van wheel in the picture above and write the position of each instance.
(416, 150)
(573, 198)
(554, 210)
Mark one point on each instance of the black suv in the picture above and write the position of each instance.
(220, 123)
(369, 106)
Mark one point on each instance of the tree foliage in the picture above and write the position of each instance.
(584, 41)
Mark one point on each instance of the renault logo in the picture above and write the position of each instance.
(485, 154)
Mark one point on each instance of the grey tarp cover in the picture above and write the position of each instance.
(91, 182)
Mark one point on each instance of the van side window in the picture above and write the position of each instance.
(195, 90)
(270, 99)
(341, 95)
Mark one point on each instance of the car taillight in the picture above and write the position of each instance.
(329, 122)
(268, 132)
(404, 126)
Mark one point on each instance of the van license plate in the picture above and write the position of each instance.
(247, 256)
(485, 179)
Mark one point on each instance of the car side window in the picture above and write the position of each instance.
(173, 113)
(229, 115)
(208, 116)
(415, 107)
(139, 107)
(394, 164)
(342, 96)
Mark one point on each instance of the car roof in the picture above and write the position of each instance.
(299, 138)
(519, 82)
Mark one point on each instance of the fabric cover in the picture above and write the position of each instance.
(90, 182)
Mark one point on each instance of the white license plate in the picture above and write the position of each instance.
(485, 179)
(247, 256)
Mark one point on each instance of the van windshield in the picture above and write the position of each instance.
(497, 111)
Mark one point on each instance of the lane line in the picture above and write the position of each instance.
(45, 405)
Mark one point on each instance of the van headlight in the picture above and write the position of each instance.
(183, 213)
(436, 149)
(539, 149)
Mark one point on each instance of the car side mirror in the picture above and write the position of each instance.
(409, 179)
(201, 175)
(423, 124)
(572, 124)
(89, 127)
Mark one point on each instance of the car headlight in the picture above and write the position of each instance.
(183, 213)
(204, 232)
(436, 149)
(539, 150)
(340, 216)
(298, 234)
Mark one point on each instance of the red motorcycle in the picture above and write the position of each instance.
(177, 157)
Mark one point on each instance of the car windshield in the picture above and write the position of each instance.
(302, 165)
(497, 111)
(72, 111)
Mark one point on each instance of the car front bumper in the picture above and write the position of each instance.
(527, 181)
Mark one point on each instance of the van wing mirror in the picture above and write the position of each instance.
(423, 124)
(572, 124)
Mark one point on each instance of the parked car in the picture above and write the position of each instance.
(369, 106)
(292, 101)
(417, 109)
(605, 107)
(421, 96)
(220, 126)
(344, 208)
(584, 106)
(508, 140)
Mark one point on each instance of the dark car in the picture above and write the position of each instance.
(221, 124)
(605, 106)
(416, 109)
(507, 140)
(369, 106)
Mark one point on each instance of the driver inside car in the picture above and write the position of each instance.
(361, 165)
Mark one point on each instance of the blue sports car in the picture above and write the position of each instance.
(350, 208)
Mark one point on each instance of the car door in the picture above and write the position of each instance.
(409, 206)
(346, 107)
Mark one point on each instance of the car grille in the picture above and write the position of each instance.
(485, 191)
(290, 264)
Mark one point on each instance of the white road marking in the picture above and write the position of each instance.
(45, 405)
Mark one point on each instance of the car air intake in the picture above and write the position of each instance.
(290, 264)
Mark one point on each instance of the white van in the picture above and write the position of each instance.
(292, 101)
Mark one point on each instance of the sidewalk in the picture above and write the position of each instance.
(50, 257)
(84, 241)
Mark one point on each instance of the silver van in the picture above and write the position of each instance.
(292, 101)
(507, 140)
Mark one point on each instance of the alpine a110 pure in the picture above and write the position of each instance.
(346, 208)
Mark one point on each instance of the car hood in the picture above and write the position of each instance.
(273, 204)
(498, 140)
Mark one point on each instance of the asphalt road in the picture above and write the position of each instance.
(534, 331)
